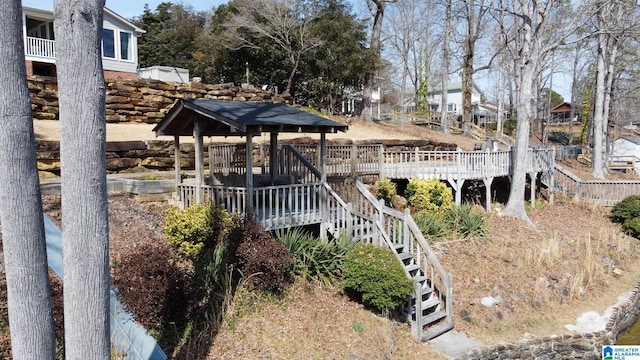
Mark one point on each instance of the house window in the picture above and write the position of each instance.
(108, 43)
(451, 107)
(125, 46)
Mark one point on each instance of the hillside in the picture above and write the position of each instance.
(545, 273)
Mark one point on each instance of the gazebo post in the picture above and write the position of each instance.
(324, 216)
(176, 155)
(273, 156)
(199, 160)
(249, 170)
(323, 156)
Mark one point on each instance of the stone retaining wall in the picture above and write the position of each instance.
(571, 346)
(144, 100)
(158, 155)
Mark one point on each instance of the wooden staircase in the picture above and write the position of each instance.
(425, 308)
(368, 220)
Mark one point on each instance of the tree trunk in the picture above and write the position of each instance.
(85, 238)
(444, 118)
(515, 204)
(467, 68)
(376, 33)
(23, 237)
(597, 162)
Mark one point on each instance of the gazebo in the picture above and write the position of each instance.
(208, 117)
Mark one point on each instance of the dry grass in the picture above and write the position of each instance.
(312, 322)
(546, 274)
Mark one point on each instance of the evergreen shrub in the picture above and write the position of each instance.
(374, 273)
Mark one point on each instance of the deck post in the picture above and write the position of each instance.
(273, 158)
(323, 156)
(457, 187)
(354, 160)
(487, 196)
(323, 190)
(199, 166)
(249, 171)
(176, 156)
(533, 177)
(381, 162)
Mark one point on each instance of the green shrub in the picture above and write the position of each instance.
(466, 221)
(264, 261)
(632, 227)
(213, 272)
(431, 225)
(430, 195)
(197, 229)
(626, 209)
(510, 126)
(314, 258)
(386, 190)
(376, 274)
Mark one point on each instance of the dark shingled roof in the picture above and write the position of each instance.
(224, 118)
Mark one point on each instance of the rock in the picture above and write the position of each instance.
(489, 301)
(617, 272)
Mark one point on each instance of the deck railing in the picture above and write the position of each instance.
(460, 164)
(40, 47)
(273, 206)
(602, 192)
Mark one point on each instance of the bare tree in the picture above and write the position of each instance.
(614, 20)
(533, 29)
(85, 240)
(285, 22)
(376, 7)
(23, 237)
(408, 33)
(474, 18)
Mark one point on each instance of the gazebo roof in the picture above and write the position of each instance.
(224, 118)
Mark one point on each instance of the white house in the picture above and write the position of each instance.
(454, 98)
(626, 151)
(119, 44)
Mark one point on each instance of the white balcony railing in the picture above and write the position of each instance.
(40, 47)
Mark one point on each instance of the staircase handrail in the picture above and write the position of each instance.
(414, 240)
(292, 150)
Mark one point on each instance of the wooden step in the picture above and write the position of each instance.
(427, 304)
(433, 317)
(411, 268)
(435, 331)
(405, 256)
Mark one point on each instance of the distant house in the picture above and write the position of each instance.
(562, 113)
(454, 99)
(626, 151)
(119, 44)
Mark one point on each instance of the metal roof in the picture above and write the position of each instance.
(225, 118)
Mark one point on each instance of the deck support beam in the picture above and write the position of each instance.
(533, 177)
(487, 196)
(457, 187)
(199, 166)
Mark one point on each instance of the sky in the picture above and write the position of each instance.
(130, 8)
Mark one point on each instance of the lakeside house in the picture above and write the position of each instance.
(119, 44)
